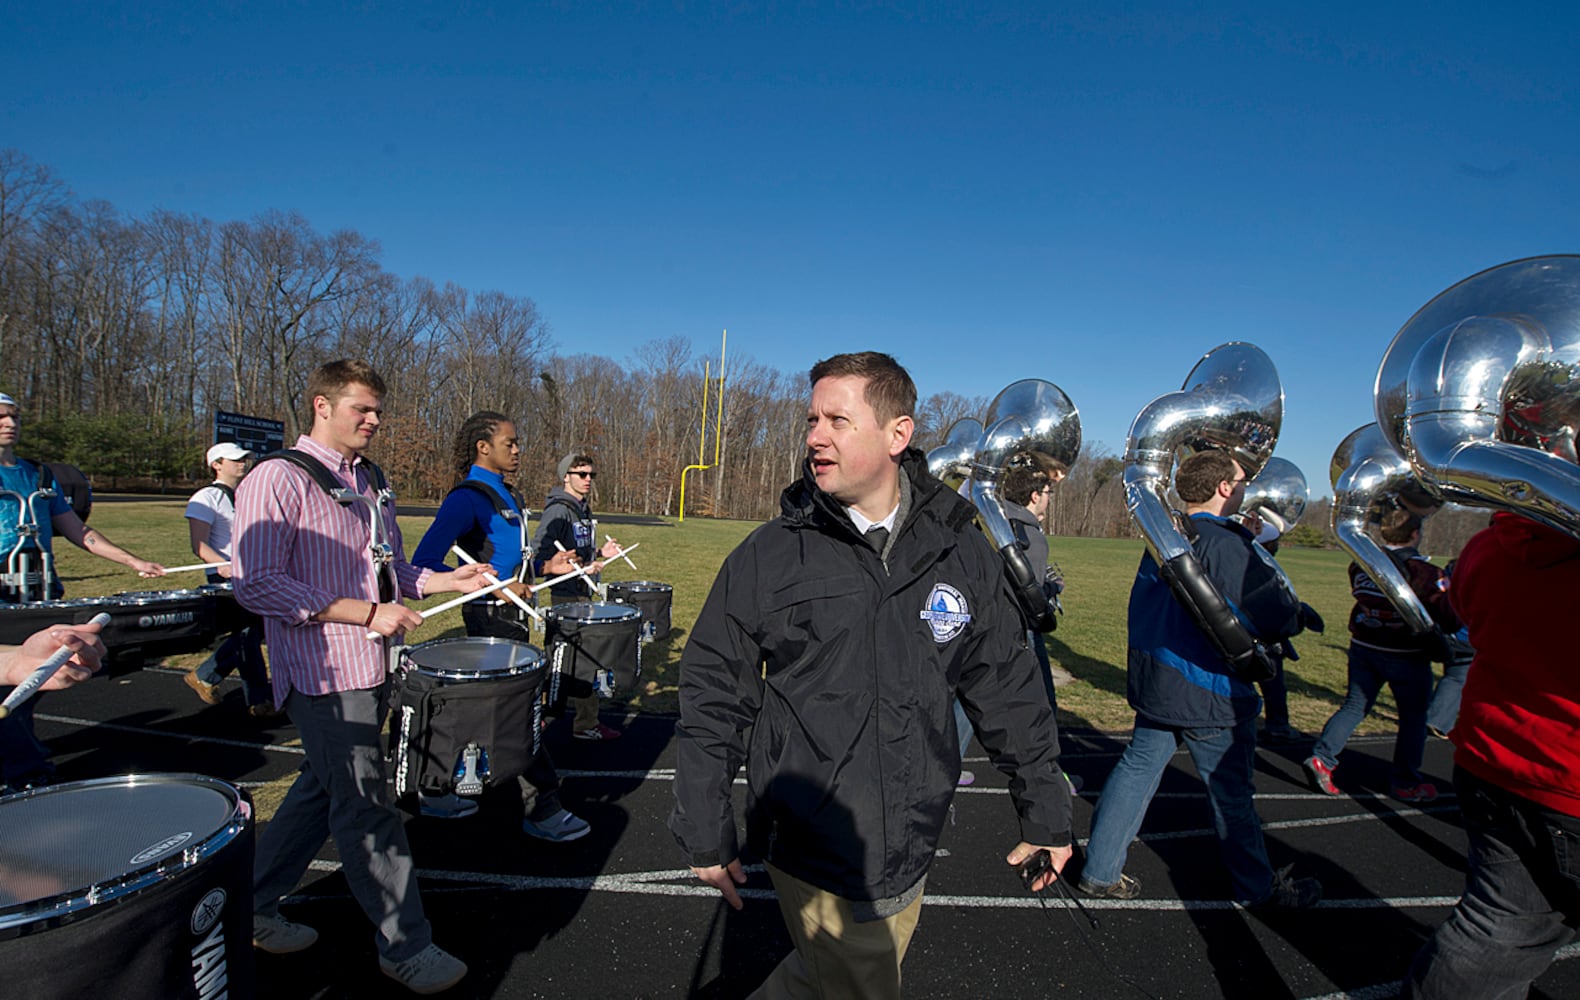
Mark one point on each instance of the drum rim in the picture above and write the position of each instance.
(561, 612)
(641, 586)
(462, 674)
(154, 596)
(47, 911)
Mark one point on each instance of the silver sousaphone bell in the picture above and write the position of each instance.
(1480, 391)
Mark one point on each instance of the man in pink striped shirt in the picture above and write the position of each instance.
(302, 562)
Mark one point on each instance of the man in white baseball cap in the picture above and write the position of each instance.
(210, 515)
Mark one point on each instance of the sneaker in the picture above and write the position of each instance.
(1440, 734)
(560, 828)
(279, 936)
(1125, 888)
(1424, 792)
(1290, 893)
(264, 710)
(600, 732)
(206, 691)
(1321, 776)
(445, 806)
(1279, 734)
(431, 970)
(966, 778)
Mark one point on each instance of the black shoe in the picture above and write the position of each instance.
(1290, 893)
(1125, 888)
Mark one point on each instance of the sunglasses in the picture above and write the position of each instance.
(585, 475)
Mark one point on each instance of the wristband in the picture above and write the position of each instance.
(373, 609)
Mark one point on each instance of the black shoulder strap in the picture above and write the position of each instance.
(46, 478)
(320, 475)
(500, 507)
(226, 492)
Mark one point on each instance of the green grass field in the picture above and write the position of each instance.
(1090, 640)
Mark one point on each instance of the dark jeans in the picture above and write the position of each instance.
(23, 758)
(242, 653)
(1409, 675)
(1443, 712)
(540, 785)
(1521, 901)
(1275, 696)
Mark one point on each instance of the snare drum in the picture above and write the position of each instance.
(467, 715)
(18, 621)
(229, 616)
(594, 643)
(651, 598)
(137, 886)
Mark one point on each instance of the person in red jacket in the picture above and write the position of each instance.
(1517, 766)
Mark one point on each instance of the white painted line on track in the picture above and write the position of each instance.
(187, 737)
(663, 883)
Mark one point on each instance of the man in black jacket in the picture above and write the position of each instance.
(834, 640)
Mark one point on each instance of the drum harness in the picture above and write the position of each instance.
(19, 576)
(504, 510)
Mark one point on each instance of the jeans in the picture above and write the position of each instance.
(242, 652)
(23, 759)
(1409, 675)
(1275, 696)
(1521, 901)
(1443, 711)
(1224, 758)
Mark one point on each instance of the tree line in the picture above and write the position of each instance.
(122, 335)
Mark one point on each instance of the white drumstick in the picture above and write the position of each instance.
(581, 573)
(195, 566)
(462, 555)
(447, 605)
(578, 571)
(622, 553)
(41, 675)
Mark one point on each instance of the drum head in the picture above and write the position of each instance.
(596, 612)
(468, 658)
(75, 845)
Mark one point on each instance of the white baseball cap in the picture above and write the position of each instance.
(230, 450)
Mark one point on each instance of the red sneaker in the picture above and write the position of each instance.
(600, 732)
(1424, 792)
(1321, 776)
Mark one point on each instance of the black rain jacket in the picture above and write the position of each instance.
(832, 676)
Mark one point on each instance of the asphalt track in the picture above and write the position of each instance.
(615, 915)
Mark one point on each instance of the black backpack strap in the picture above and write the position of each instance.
(314, 469)
(227, 493)
(500, 507)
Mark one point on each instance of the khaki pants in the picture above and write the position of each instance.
(836, 957)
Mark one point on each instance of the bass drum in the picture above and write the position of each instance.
(135, 886)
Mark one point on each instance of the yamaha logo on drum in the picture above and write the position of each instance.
(946, 612)
(169, 618)
(207, 911)
(163, 847)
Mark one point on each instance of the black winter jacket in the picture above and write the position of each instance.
(831, 677)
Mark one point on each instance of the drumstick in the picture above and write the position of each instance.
(582, 573)
(622, 553)
(578, 571)
(195, 566)
(447, 605)
(462, 555)
(41, 675)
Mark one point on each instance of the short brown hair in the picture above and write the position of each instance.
(1199, 475)
(889, 390)
(1398, 526)
(332, 380)
(1020, 483)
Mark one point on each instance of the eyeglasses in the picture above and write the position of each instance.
(584, 475)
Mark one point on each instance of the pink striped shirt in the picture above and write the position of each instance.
(296, 551)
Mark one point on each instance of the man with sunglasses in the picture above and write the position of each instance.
(567, 520)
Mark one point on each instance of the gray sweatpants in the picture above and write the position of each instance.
(341, 791)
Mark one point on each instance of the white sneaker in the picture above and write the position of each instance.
(431, 970)
(279, 936)
(446, 806)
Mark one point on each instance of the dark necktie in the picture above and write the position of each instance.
(877, 538)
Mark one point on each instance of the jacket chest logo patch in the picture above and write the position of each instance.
(945, 612)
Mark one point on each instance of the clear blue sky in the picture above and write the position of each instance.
(988, 191)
